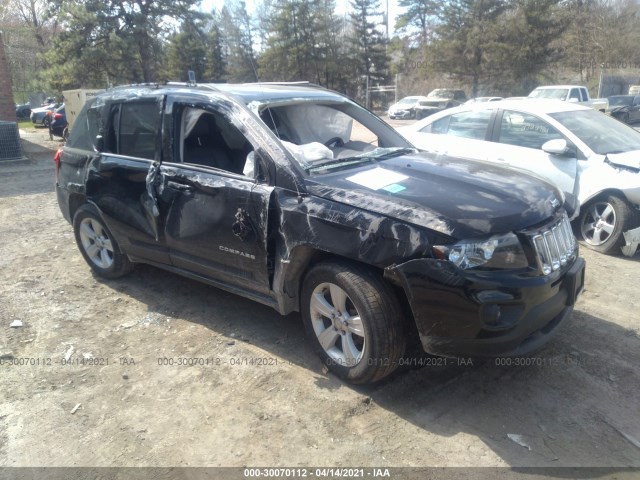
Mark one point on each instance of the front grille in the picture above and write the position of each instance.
(554, 244)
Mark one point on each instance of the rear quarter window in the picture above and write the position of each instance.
(86, 127)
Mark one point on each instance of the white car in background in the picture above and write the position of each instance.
(405, 108)
(589, 155)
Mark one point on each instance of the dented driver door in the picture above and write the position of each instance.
(217, 213)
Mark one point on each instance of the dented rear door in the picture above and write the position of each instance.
(121, 180)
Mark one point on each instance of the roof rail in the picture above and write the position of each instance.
(303, 83)
(202, 86)
(152, 85)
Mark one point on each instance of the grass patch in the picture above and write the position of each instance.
(25, 124)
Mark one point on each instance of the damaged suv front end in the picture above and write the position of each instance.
(503, 295)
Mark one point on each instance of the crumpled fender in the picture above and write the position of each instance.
(436, 293)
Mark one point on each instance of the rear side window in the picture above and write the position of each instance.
(133, 129)
(472, 124)
(575, 93)
(86, 127)
(139, 122)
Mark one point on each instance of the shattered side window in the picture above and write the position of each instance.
(86, 127)
(138, 130)
(209, 138)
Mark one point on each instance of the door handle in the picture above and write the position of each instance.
(181, 187)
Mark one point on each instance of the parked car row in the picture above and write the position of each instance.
(58, 126)
(590, 156)
(23, 112)
(418, 107)
(41, 116)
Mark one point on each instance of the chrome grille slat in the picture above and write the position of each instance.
(554, 245)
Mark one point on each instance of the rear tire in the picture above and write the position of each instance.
(603, 222)
(97, 245)
(354, 321)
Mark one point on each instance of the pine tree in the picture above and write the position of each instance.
(187, 50)
(112, 41)
(237, 33)
(419, 17)
(466, 38)
(368, 47)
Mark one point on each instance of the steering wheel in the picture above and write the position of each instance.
(335, 141)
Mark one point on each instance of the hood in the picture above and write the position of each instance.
(626, 159)
(435, 102)
(405, 106)
(618, 108)
(42, 109)
(455, 197)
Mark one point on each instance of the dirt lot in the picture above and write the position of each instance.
(257, 395)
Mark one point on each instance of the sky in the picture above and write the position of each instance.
(342, 7)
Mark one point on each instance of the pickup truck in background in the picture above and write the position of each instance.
(570, 93)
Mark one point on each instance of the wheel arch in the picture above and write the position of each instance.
(302, 258)
(76, 200)
(603, 194)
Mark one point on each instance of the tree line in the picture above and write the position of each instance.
(487, 47)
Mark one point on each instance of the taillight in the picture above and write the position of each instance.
(57, 116)
(56, 160)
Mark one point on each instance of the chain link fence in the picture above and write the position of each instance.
(10, 145)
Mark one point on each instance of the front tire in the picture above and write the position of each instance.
(97, 245)
(603, 221)
(354, 321)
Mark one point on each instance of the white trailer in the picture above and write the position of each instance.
(74, 100)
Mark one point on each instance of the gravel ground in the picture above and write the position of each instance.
(93, 377)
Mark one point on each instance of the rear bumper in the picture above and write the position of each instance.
(63, 202)
(458, 313)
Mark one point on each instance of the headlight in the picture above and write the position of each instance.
(495, 252)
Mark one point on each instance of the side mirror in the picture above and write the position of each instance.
(556, 147)
(98, 143)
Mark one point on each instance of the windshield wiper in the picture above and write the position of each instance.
(377, 154)
(339, 162)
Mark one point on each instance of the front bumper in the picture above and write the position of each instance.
(402, 114)
(486, 314)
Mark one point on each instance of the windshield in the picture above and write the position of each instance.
(601, 133)
(408, 100)
(319, 134)
(441, 94)
(617, 101)
(552, 93)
